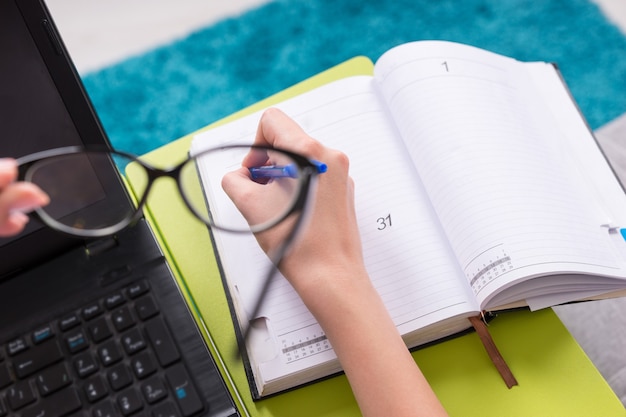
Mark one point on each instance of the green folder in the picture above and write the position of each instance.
(555, 376)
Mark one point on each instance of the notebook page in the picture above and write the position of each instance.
(408, 259)
(589, 166)
(483, 149)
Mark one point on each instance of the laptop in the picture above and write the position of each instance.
(87, 327)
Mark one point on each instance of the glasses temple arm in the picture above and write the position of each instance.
(276, 259)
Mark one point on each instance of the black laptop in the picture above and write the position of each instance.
(87, 328)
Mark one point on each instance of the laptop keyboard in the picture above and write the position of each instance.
(113, 357)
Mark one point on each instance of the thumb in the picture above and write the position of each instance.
(16, 200)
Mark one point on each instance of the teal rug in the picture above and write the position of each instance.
(152, 99)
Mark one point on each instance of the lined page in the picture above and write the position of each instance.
(484, 152)
(408, 259)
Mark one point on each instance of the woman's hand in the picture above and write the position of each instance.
(329, 244)
(16, 199)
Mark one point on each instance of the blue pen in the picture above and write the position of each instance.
(283, 171)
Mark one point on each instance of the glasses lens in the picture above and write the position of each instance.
(77, 185)
(247, 188)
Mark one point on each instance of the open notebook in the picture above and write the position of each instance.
(478, 187)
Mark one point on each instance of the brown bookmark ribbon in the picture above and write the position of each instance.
(505, 372)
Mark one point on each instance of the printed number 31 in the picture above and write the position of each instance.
(384, 222)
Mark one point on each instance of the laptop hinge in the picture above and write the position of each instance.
(96, 247)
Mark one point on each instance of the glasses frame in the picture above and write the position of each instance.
(307, 170)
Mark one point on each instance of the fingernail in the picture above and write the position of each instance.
(26, 206)
(18, 218)
(7, 163)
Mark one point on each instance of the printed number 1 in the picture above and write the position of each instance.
(384, 222)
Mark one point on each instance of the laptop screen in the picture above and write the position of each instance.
(32, 112)
(43, 106)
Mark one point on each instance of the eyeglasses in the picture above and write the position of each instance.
(80, 181)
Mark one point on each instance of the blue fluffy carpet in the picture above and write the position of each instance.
(152, 99)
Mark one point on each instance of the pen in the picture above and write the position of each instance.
(283, 171)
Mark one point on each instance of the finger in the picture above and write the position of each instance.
(237, 184)
(8, 171)
(278, 130)
(19, 197)
(13, 224)
(241, 190)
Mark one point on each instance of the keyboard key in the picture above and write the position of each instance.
(109, 353)
(56, 405)
(20, 395)
(104, 409)
(42, 334)
(167, 409)
(3, 408)
(184, 390)
(129, 401)
(138, 289)
(85, 365)
(119, 377)
(37, 358)
(69, 322)
(114, 300)
(5, 376)
(91, 311)
(122, 319)
(99, 330)
(154, 390)
(143, 365)
(162, 342)
(133, 341)
(53, 379)
(146, 308)
(16, 346)
(95, 388)
(76, 341)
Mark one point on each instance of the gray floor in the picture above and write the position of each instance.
(100, 33)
